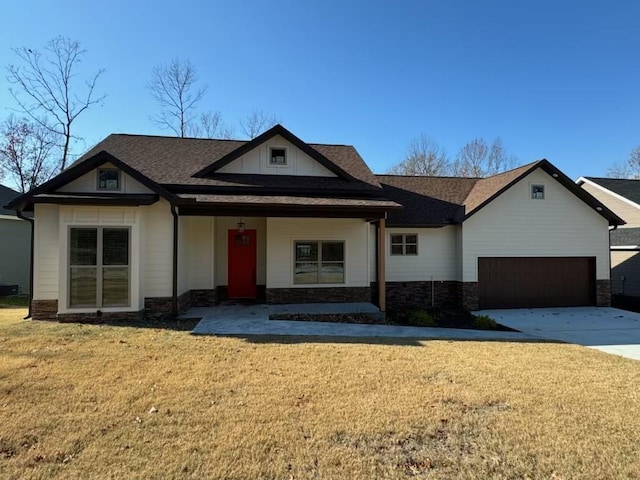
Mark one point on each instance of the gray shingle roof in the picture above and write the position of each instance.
(6, 195)
(624, 237)
(627, 188)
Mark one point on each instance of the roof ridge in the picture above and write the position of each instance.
(426, 176)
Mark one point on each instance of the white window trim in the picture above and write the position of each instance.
(326, 240)
(99, 266)
(113, 169)
(286, 163)
(404, 245)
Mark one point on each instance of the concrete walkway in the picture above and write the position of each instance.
(610, 330)
(249, 320)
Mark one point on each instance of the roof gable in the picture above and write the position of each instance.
(277, 130)
(79, 169)
(626, 190)
(488, 189)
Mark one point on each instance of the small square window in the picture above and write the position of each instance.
(537, 192)
(405, 244)
(108, 179)
(278, 156)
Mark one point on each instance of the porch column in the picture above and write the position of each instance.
(382, 298)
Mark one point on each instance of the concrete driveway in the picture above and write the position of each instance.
(608, 329)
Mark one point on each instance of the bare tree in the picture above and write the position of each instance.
(27, 152)
(478, 159)
(628, 169)
(424, 157)
(173, 86)
(257, 122)
(46, 88)
(210, 125)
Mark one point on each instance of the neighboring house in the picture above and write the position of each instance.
(153, 225)
(15, 246)
(622, 196)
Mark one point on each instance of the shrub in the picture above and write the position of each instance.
(484, 322)
(422, 318)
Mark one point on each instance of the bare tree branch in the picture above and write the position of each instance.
(173, 86)
(45, 88)
(477, 159)
(628, 169)
(424, 157)
(257, 122)
(27, 152)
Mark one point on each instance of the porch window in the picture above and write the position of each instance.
(404, 244)
(319, 262)
(99, 273)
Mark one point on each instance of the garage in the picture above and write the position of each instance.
(528, 282)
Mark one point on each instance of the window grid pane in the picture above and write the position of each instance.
(115, 286)
(319, 262)
(83, 286)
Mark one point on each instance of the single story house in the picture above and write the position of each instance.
(622, 196)
(152, 225)
(15, 247)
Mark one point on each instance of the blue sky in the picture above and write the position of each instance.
(554, 79)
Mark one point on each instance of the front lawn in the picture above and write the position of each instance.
(99, 401)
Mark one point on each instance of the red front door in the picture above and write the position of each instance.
(242, 264)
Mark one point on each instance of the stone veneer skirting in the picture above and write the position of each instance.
(603, 293)
(442, 294)
(318, 295)
(470, 296)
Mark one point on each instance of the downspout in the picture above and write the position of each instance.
(174, 293)
(31, 221)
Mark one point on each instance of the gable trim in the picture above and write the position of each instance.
(82, 168)
(260, 139)
(615, 195)
(566, 182)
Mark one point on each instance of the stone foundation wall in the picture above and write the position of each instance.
(203, 298)
(442, 294)
(603, 293)
(158, 307)
(470, 296)
(44, 309)
(318, 295)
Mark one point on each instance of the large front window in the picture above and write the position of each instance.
(319, 262)
(99, 267)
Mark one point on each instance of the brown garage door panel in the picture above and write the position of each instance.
(520, 282)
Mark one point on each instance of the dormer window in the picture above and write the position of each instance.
(537, 192)
(108, 179)
(277, 157)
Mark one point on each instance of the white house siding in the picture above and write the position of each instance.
(157, 254)
(89, 183)
(283, 232)
(222, 227)
(373, 254)
(257, 161)
(625, 266)
(515, 225)
(71, 216)
(197, 243)
(436, 259)
(46, 252)
(625, 209)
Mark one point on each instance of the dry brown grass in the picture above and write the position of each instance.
(75, 402)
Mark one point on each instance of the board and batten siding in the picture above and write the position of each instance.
(222, 227)
(514, 225)
(256, 161)
(436, 258)
(626, 210)
(46, 248)
(89, 183)
(625, 265)
(283, 232)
